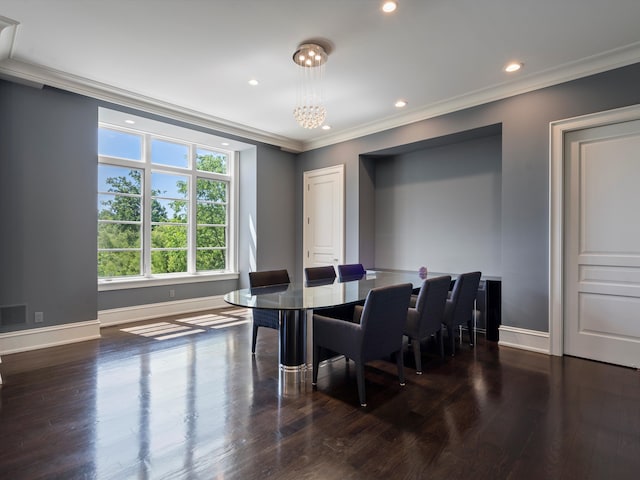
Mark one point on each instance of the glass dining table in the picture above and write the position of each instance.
(295, 300)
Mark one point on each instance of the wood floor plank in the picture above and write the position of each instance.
(200, 406)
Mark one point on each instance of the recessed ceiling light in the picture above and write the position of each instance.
(225, 144)
(130, 122)
(389, 6)
(513, 67)
(253, 82)
(326, 127)
(401, 103)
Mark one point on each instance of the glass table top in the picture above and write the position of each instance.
(317, 295)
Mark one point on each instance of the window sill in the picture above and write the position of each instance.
(139, 282)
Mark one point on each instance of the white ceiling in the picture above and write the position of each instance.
(192, 59)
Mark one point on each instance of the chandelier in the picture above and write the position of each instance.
(310, 111)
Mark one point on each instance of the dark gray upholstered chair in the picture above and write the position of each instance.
(351, 271)
(425, 319)
(323, 276)
(261, 317)
(319, 274)
(379, 333)
(459, 309)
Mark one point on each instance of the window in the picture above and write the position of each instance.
(164, 206)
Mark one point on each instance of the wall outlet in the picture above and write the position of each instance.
(172, 293)
(38, 317)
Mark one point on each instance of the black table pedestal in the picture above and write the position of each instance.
(293, 354)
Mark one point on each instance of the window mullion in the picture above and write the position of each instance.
(146, 219)
(191, 214)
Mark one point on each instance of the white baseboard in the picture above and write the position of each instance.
(524, 339)
(35, 338)
(136, 313)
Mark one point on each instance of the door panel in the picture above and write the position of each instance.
(602, 244)
(611, 315)
(324, 217)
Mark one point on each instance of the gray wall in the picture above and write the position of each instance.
(157, 294)
(440, 207)
(525, 178)
(267, 212)
(48, 171)
(47, 187)
(276, 207)
(348, 155)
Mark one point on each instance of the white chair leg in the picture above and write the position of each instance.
(0, 374)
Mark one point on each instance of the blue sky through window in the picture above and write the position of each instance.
(168, 153)
(119, 144)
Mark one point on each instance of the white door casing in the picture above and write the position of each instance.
(323, 230)
(595, 277)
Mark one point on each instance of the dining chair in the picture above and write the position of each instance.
(379, 333)
(459, 309)
(425, 319)
(323, 275)
(320, 274)
(351, 271)
(264, 317)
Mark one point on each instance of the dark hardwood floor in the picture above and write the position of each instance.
(148, 404)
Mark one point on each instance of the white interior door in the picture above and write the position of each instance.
(602, 244)
(324, 217)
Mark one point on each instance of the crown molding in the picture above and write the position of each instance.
(37, 74)
(609, 60)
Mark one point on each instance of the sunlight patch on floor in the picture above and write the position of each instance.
(190, 331)
(213, 320)
(187, 326)
(232, 324)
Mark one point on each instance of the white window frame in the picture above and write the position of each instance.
(192, 173)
